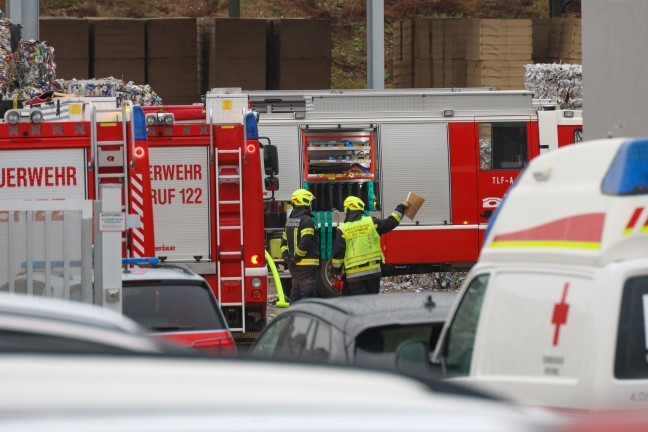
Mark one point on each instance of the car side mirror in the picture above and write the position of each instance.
(412, 356)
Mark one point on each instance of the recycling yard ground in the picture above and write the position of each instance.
(431, 282)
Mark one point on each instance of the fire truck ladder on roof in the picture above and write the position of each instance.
(111, 156)
(229, 193)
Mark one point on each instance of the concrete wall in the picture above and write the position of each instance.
(615, 68)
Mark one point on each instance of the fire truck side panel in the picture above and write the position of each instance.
(287, 139)
(463, 177)
(503, 148)
(253, 233)
(415, 159)
(569, 134)
(431, 244)
(181, 205)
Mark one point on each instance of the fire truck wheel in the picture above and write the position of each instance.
(325, 288)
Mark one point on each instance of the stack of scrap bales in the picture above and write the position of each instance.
(429, 52)
(70, 38)
(559, 82)
(302, 51)
(234, 52)
(456, 36)
(403, 54)
(497, 52)
(119, 48)
(172, 59)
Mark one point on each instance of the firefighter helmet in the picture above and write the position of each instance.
(303, 198)
(353, 203)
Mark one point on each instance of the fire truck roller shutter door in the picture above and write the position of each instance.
(424, 168)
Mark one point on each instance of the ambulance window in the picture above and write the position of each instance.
(503, 146)
(461, 335)
(632, 341)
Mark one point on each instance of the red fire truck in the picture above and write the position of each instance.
(68, 149)
(207, 196)
(199, 176)
(460, 149)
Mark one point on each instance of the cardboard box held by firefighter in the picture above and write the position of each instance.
(416, 201)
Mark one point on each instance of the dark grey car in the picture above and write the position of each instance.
(393, 331)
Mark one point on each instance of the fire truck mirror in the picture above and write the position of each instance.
(270, 160)
(272, 183)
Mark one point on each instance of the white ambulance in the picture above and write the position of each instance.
(555, 312)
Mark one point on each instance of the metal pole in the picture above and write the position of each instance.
(26, 13)
(555, 8)
(235, 8)
(376, 44)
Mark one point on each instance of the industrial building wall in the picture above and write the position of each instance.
(615, 68)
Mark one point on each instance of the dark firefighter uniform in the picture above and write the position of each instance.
(357, 246)
(300, 247)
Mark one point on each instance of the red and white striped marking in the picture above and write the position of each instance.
(137, 206)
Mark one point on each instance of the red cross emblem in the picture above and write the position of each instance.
(560, 314)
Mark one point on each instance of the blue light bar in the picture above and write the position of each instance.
(139, 120)
(628, 173)
(140, 261)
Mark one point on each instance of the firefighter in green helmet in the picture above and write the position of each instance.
(357, 251)
(300, 247)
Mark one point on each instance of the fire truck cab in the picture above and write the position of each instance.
(207, 194)
(555, 312)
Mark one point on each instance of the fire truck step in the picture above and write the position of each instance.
(228, 151)
(230, 202)
(109, 143)
(231, 227)
(115, 175)
(232, 304)
(229, 178)
(231, 253)
(236, 329)
(231, 278)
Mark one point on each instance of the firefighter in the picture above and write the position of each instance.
(357, 251)
(300, 247)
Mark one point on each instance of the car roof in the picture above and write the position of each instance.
(102, 329)
(134, 394)
(68, 311)
(354, 314)
(165, 272)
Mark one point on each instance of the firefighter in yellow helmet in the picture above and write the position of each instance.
(300, 247)
(356, 249)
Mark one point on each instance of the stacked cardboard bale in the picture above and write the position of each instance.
(234, 52)
(565, 41)
(456, 35)
(70, 38)
(301, 51)
(119, 48)
(172, 61)
(404, 54)
(497, 52)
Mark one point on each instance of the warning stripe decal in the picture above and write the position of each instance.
(137, 201)
(581, 231)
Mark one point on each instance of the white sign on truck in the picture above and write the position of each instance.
(555, 313)
(43, 174)
(181, 205)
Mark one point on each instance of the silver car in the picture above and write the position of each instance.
(129, 394)
(47, 325)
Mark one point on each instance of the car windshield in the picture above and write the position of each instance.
(168, 308)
